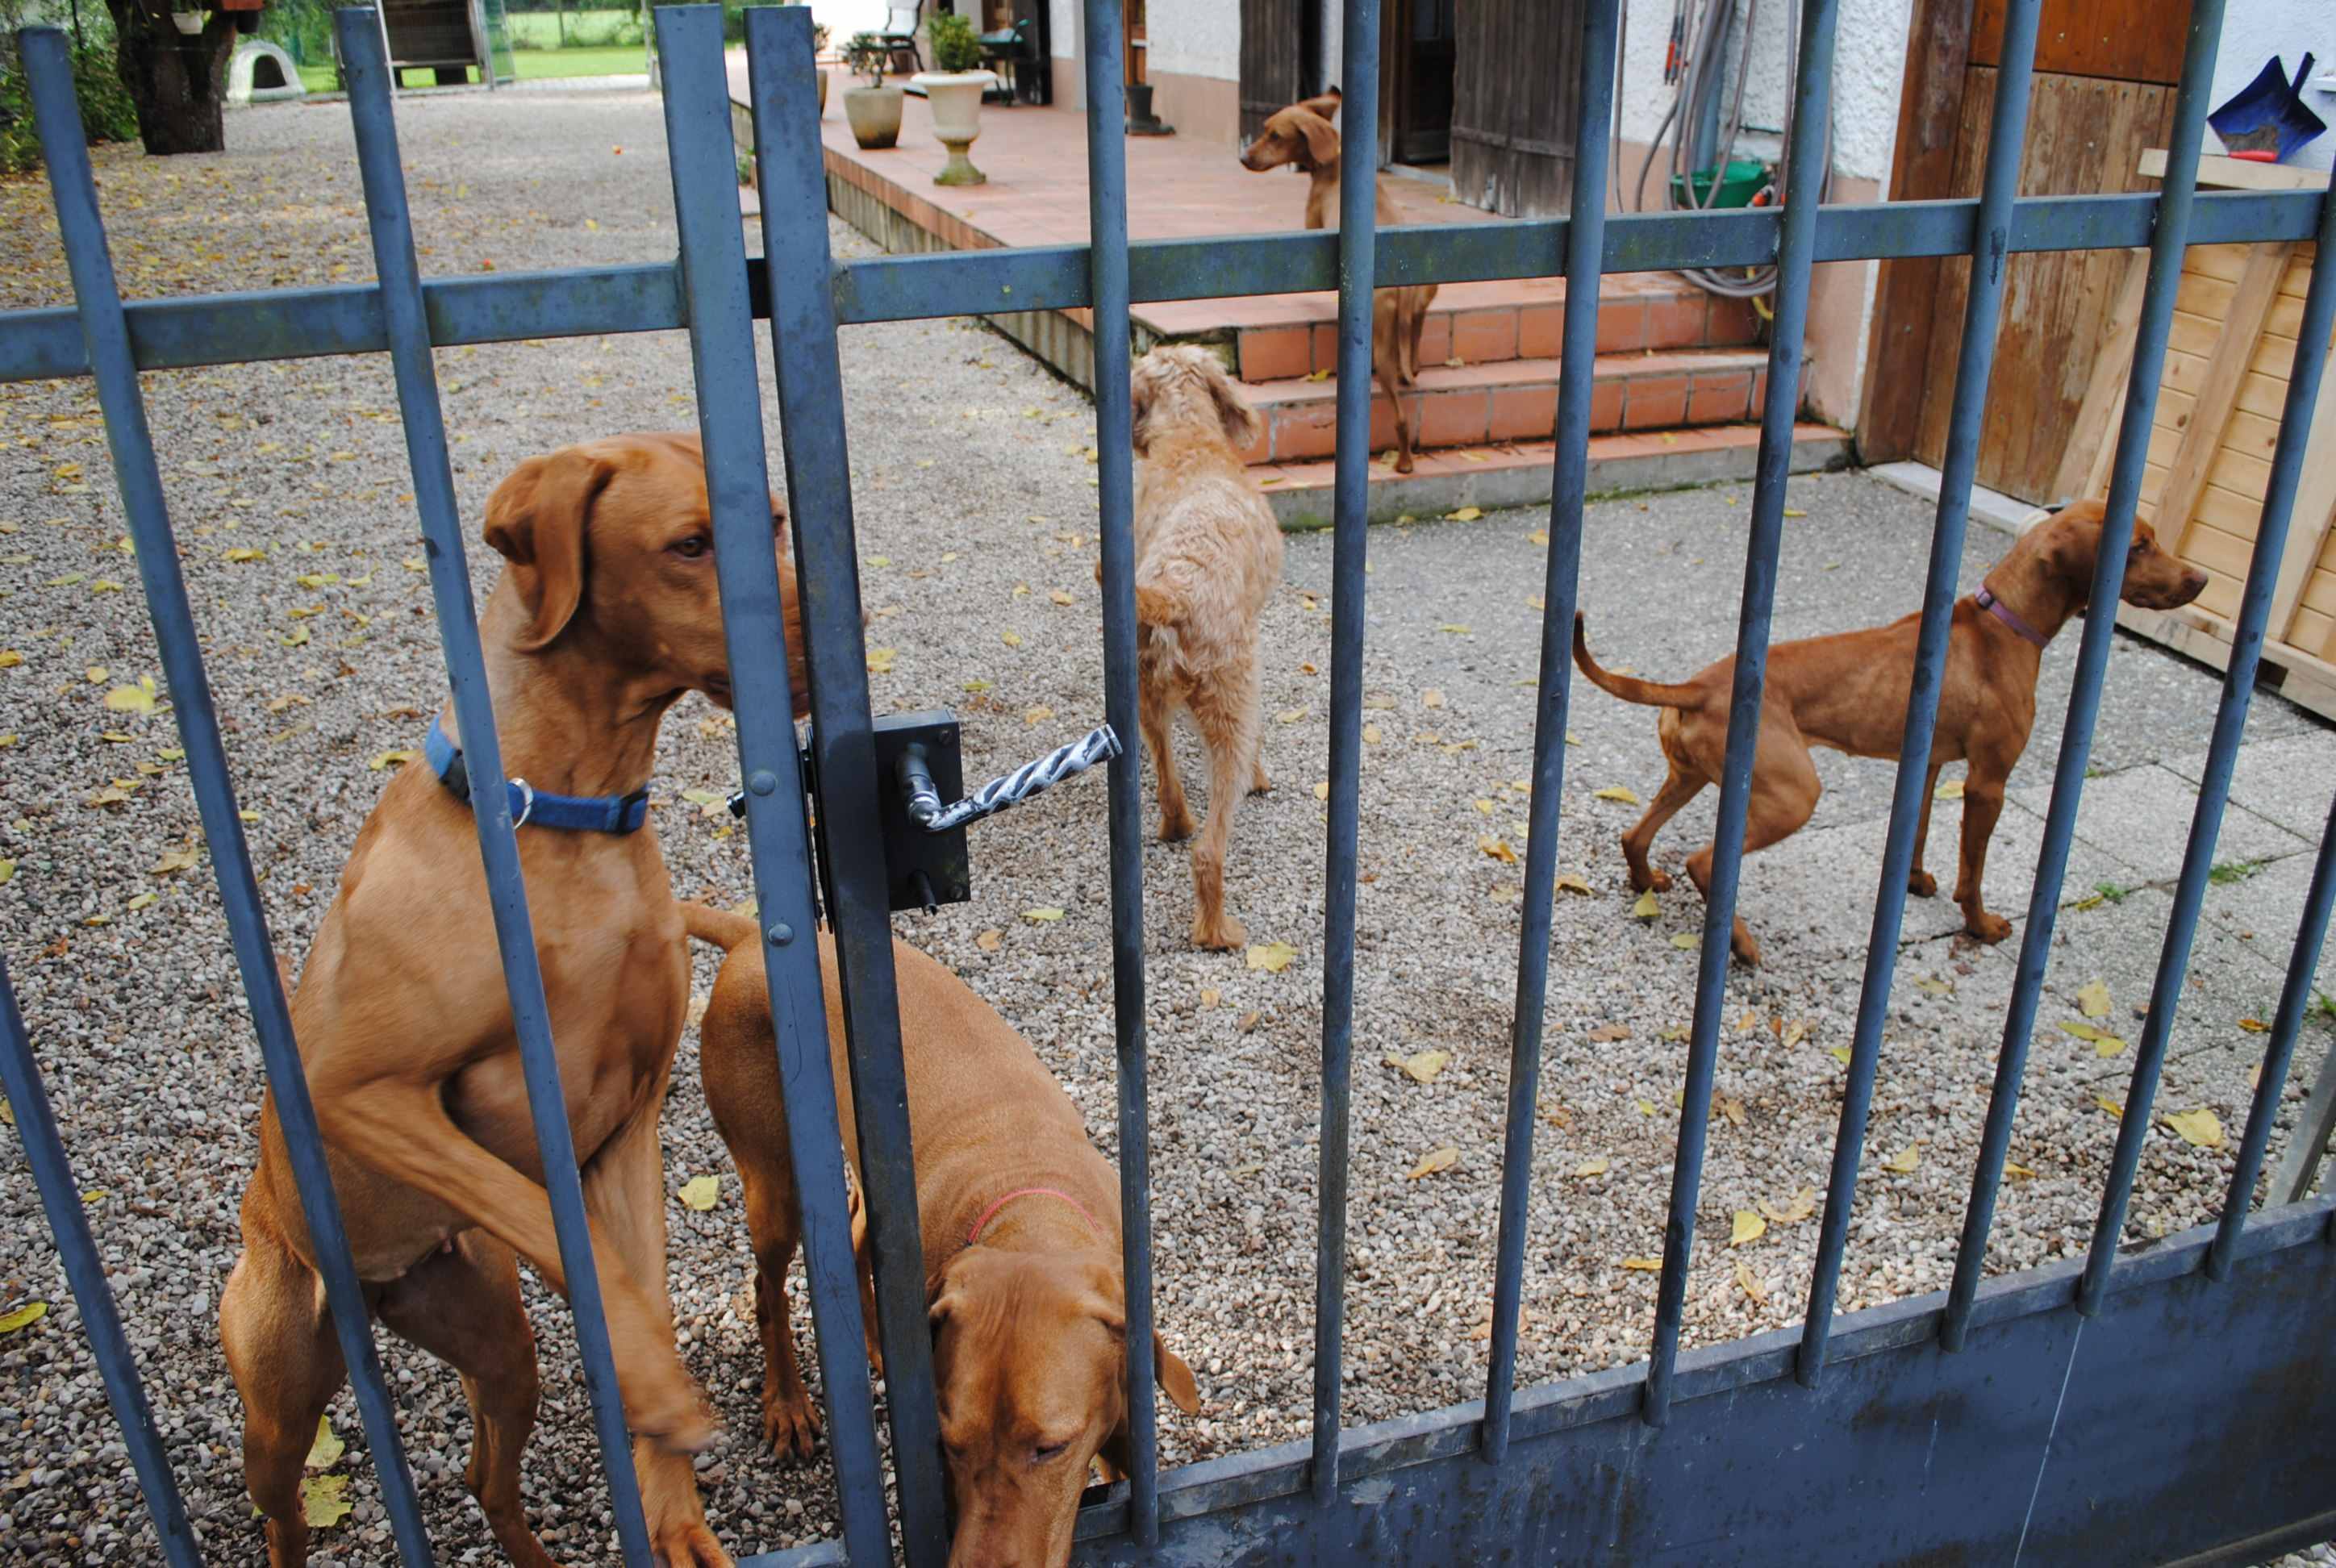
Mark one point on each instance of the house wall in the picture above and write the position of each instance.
(2255, 30)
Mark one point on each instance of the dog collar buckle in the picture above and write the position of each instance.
(573, 813)
(526, 792)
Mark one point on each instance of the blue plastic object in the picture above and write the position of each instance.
(2269, 112)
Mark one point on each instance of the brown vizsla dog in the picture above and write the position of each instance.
(1302, 135)
(1848, 691)
(1020, 1218)
(604, 617)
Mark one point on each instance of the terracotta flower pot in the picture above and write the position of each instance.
(956, 98)
(875, 115)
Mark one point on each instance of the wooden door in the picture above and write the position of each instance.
(1515, 91)
(1272, 59)
(1417, 53)
(2103, 95)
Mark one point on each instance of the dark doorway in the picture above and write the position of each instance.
(1418, 49)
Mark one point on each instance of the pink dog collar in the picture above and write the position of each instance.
(1985, 598)
(989, 1213)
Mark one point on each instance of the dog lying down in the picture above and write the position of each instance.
(1848, 691)
(1020, 1220)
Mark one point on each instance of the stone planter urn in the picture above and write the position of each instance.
(956, 98)
(875, 115)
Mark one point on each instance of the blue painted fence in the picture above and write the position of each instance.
(2177, 1403)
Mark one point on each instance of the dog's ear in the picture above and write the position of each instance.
(535, 521)
(1241, 420)
(1175, 1377)
(1321, 136)
(1325, 103)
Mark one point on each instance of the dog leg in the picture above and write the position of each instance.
(287, 1364)
(1228, 721)
(1785, 791)
(1258, 783)
(1678, 788)
(1982, 803)
(1919, 883)
(1402, 421)
(463, 1306)
(1152, 712)
(774, 1223)
(624, 1193)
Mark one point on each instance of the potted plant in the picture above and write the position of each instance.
(874, 110)
(954, 88)
(819, 35)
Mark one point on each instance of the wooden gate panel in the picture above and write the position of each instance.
(1272, 60)
(1515, 91)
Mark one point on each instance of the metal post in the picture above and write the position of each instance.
(729, 410)
(1106, 110)
(100, 1317)
(1797, 248)
(1585, 245)
(2177, 193)
(1350, 504)
(104, 330)
(2297, 1167)
(1990, 256)
(783, 85)
(384, 175)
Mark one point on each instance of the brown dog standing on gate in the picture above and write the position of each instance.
(1208, 554)
(1849, 691)
(1020, 1221)
(604, 617)
(1302, 135)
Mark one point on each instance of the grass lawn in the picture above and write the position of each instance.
(534, 64)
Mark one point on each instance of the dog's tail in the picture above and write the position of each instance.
(719, 927)
(1630, 688)
(1163, 592)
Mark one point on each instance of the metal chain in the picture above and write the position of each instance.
(926, 810)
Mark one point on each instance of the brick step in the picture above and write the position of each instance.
(1509, 400)
(1487, 322)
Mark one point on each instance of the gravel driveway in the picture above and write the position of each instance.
(974, 489)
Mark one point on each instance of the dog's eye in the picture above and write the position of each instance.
(1049, 1451)
(690, 548)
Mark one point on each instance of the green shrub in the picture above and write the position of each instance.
(107, 113)
(864, 54)
(956, 46)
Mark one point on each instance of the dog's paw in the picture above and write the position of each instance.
(1987, 927)
(1177, 829)
(1921, 884)
(689, 1544)
(791, 1426)
(1653, 882)
(1221, 935)
(1260, 784)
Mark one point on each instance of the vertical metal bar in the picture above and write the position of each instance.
(1350, 512)
(2173, 203)
(139, 478)
(1585, 246)
(383, 170)
(792, 169)
(2294, 1173)
(1796, 247)
(1990, 245)
(2213, 793)
(100, 1317)
(1115, 508)
(729, 411)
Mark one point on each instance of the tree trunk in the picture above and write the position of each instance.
(177, 81)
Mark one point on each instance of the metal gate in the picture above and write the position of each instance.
(2177, 1402)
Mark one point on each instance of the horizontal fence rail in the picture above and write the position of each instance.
(1993, 1421)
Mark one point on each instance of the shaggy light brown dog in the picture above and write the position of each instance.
(1019, 1216)
(1848, 691)
(1208, 554)
(606, 615)
(1302, 135)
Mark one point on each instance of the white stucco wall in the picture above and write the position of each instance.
(2255, 30)
(1195, 38)
(1062, 18)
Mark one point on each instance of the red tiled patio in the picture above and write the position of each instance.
(1671, 355)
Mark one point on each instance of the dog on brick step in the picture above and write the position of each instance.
(1848, 691)
(1303, 137)
(1208, 554)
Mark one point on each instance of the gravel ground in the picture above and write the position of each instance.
(974, 496)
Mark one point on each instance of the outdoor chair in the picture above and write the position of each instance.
(899, 37)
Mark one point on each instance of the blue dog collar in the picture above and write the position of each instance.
(533, 806)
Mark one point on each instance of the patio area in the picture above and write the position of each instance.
(1679, 376)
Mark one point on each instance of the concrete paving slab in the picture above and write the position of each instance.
(2142, 817)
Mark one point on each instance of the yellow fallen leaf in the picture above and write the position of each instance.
(390, 759)
(2104, 1043)
(1596, 1167)
(1322, 790)
(1792, 1034)
(1290, 716)
(1647, 909)
(1044, 914)
(1685, 941)
(7, 870)
(248, 814)
(1371, 734)
(1750, 1286)
(1483, 806)
(1935, 987)
(326, 1450)
(2093, 1000)
(881, 660)
(2200, 1128)
(1904, 1159)
(1435, 1160)
(2114, 1108)
(1454, 628)
(1572, 882)
(1618, 793)
(1841, 1054)
(1210, 996)
(10, 659)
(709, 803)
(2018, 1173)
(1420, 1067)
(1011, 639)
(1795, 512)
(317, 578)
(700, 1193)
(1538, 536)
(1273, 957)
(97, 674)
(2253, 1026)
(139, 902)
(1646, 1108)
(1038, 714)
(324, 1501)
(1799, 1207)
(1465, 514)
(990, 940)
(247, 554)
(1498, 849)
(1953, 790)
(24, 1317)
(1749, 1228)
(1059, 596)
(1431, 698)
(1644, 1265)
